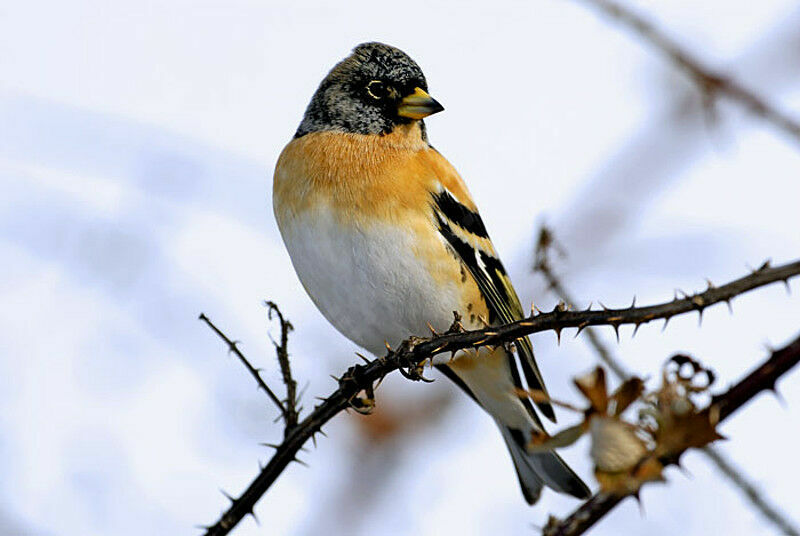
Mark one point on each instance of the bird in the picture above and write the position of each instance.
(388, 243)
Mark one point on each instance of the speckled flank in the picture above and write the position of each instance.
(341, 102)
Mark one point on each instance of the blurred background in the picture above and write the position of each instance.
(137, 143)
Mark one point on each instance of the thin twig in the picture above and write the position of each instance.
(415, 351)
(762, 378)
(545, 243)
(234, 349)
(754, 495)
(710, 82)
(736, 476)
(282, 351)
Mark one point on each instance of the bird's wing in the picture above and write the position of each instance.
(462, 228)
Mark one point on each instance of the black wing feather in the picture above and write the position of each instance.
(492, 280)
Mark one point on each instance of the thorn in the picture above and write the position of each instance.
(589, 308)
(640, 503)
(433, 331)
(436, 351)
(788, 288)
(765, 265)
(558, 336)
(730, 307)
(320, 398)
(389, 348)
(636, 328)
(252, 513)
(363, 358)
(322, 432)
(666, 321)
(603, 306)
(633, 303)
(227, 496)
(270, 445)
(778, 396)
(301, 462)
(616, 331)
(710, 284)
(337, 380)
(700, 317)
(581, 327)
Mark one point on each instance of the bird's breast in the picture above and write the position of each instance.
(362, 238)
(368, 281)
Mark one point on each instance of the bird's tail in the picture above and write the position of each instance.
(535, 470)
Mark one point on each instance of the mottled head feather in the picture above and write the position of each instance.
(343, 103)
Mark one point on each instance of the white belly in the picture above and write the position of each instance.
(367, 281)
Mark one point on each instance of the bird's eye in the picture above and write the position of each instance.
(377, 89)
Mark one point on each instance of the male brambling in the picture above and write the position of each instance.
(387, 240)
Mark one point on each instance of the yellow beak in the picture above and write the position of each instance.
(418, 105)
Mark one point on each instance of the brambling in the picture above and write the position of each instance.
(387, 241)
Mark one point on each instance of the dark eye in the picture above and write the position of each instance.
(377, 89)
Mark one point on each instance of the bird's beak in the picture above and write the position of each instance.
(418, 105)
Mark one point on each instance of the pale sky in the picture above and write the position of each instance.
(137, 143)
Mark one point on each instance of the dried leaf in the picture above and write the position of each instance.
(539, 396)
(680, 432)
(593, 387)
(541, 441)
(629, 482)
(626, 394)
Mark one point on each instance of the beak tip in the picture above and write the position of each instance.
(419, 105)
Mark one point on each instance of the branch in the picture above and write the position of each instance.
(710, 83)
(234, 349)
(547, 242)
(410, 356)
(544, 244)
(735, 475)
(761, 379)
(282, 350)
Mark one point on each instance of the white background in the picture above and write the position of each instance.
(137, 141)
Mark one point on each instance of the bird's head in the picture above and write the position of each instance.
(371, 91)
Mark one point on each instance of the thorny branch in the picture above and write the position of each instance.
(544, 245)
(761, 379)
(234, 349)
(412, 354)
(711, 83)
(288, 407)
(282, 350)
(547, 243)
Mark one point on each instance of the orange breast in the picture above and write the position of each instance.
(373, 180)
